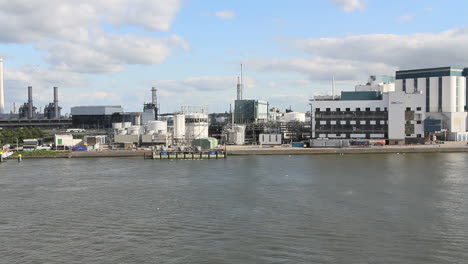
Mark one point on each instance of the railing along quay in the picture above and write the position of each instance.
(208, 154)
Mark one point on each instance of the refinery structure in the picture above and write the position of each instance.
(411, 107)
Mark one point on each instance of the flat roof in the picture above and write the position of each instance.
(430, 72)
(93, 106)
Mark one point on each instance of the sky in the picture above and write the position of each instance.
(111, 52)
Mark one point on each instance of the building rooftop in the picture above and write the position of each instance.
(431, 72)
(96, 110)
(361, 95)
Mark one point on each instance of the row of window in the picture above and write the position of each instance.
(360, 135)
(417, 135)
(410, 109)
(353, 122)
(351, 135)
(417, 122)
(361, 122)
(378, 109)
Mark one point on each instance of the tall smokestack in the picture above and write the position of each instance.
(30, 103)
(240, 85)
(154, 97)
(56, 107)
(2, 93)
(333, 88)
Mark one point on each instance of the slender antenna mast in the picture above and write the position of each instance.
(241, 83)
(239, 92)
(333, 88)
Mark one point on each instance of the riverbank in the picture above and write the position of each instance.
(450, 147)
(349, 150)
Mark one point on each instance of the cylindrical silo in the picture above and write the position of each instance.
(134, 130)
(179, 126)
(196, 126)
(121, 131)
(159, 127)
(117, 125)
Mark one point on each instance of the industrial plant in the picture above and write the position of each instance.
(412, 107)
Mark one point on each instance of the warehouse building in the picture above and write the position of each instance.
(96, 117)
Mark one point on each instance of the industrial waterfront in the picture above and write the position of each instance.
(386, 208)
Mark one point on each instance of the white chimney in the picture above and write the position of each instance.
(2, 93)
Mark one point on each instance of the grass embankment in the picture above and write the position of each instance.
(41, 153)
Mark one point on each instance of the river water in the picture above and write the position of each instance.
(384, 208)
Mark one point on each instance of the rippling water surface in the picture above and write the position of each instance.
(384, 208)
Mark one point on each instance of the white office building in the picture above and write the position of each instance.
(376, 110)
(417, 103)
(444, 90)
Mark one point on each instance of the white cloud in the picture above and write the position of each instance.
(405, 18)
(217, 92)
(401, 51)
(203, 84)
(42, 77)
(68, 19)
(73, 38)
(225, 14)
(286, 100)
(42, 80)
(352, 58)
(109, 53)
(349, 5)
(322, 69)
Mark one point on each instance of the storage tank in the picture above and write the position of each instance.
(126, 124)
(134, 130)
(121, 131)
(196, 126)
(117, 125)
(236, 135)
(179, 126)
(158, 126)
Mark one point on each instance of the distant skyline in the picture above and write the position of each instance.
(105, 52)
